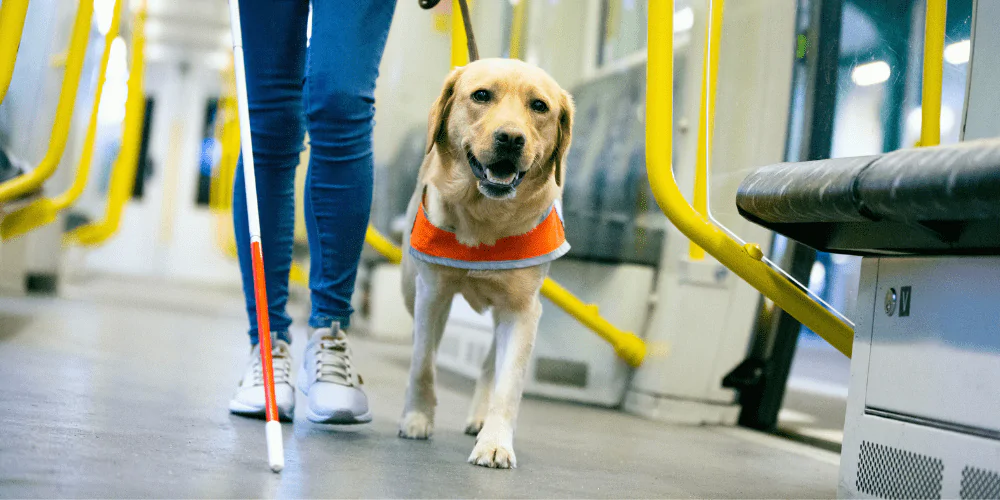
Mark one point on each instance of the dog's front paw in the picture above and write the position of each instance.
(473, 426)
(416, 425)
(491, 453)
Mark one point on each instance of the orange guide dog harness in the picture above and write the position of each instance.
(545, 243)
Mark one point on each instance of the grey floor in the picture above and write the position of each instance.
(119, 388)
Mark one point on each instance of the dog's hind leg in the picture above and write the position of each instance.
(484, 390)
(430, 312)
(514, 338)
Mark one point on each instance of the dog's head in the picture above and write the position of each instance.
(502, 120)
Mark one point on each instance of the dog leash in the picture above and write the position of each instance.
(470, 39)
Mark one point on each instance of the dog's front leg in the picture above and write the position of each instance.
(484, 389)
(431, 307)
(515, 338)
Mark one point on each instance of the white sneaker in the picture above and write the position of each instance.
(249, 398)
(329, 379)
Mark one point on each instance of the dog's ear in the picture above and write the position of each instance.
(564, 136)
(438, 118)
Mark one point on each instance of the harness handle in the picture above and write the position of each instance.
(470, 39)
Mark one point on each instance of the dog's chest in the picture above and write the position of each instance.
(508, 290)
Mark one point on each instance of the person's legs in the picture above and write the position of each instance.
(274, 39)
(274, 44)
(344, 56)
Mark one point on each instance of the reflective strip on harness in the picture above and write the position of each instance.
(545, 243)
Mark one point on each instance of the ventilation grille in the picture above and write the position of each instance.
(980, 483)
(889, 472)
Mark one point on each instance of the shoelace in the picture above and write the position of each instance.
(282, 367)
(333, 361)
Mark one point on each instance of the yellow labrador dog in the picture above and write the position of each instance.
(489, 185)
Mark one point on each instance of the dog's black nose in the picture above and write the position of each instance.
(509, 139)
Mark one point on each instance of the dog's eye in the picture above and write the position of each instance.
(539, 106)
(481, 95)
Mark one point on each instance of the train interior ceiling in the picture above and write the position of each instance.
(120, 348)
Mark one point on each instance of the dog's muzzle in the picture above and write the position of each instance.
(498, 179)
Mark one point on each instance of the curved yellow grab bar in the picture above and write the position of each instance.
(44, 211)
(629, 347)
(12, 13)
(706, 118)
(930, 106)
(745, 261)
(30, 181)
(123, 173)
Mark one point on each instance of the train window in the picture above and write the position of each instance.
(623, 30)
(209, 153)
(144, 169)
(881, 53)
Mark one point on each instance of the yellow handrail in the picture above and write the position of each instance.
(124, 170)
(44, 211)
(746, 261)
(628, 346)
(383, 246)
(706, 118)
(27, 183)
(930, 107)
(12, 13)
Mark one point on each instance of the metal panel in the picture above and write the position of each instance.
(936, 343)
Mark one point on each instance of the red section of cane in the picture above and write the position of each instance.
(263, 331)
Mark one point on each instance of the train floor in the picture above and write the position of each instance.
(118, 388)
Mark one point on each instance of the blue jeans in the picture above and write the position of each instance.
(328, 87)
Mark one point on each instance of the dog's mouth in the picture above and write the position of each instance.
(498, 179)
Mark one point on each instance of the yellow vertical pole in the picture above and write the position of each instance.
(660, 92)
(930, 107)
(706, 118)
(459, 51)
(517, 28)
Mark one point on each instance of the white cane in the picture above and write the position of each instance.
(272, 429)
